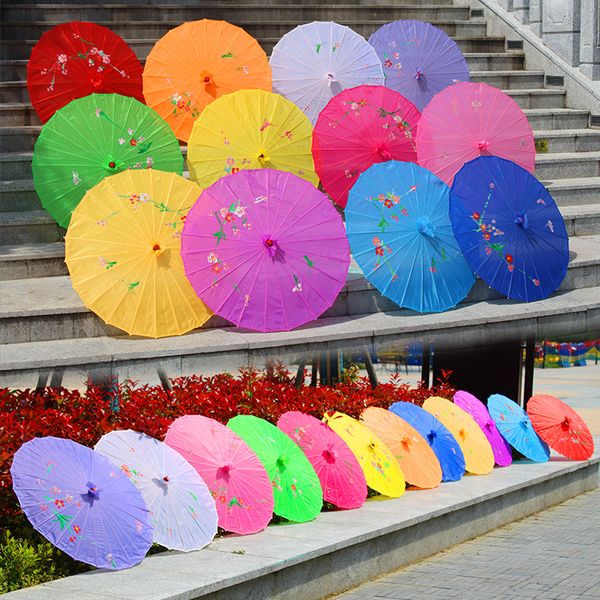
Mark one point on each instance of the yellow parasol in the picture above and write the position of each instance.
(479, 457)
(250, 129)
(414, 455)
(382, 472)
(122, 251)
(197, 62)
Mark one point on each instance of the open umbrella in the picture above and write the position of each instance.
(561, 427)
(233, 473)
(468, 120)
(250, 129)
(516, 428)
(265, 250)
(401, 237)
(181, 508)
(314, 62)
(382, 471)
(477, 409)
(76, 59)
(509, 228)
(442, 442)
(359, 127)
(479, 457)
(296, 488)
(77, 500)
(419, 60)
(417, 460)
(342, 479)
(93, 137)
(123, 253)
(197, 62)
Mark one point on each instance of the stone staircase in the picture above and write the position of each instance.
(41, 317)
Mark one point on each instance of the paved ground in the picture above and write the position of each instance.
(554, 555)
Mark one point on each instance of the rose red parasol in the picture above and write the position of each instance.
(76, 59)
(81, 502)
(359, 127)
(560, 427)
(265, 250)
(468, 120)
(477, 409)
(418, 59)
(233, 473)
(340, 473)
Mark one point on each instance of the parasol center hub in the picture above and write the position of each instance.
(425, 227)
(406, 442)
(566, 423)
(282, 462)
(462, 434)
(523, 423)
(483, 145)
(372, 445)
(270, 245)
(431, 436)
(112, 164)
(419, 74)
(92, 490)
(522, 221)
(206, 78)
(330, 455)
(157, 249)
(384, 152)
(269, 242)
(489, 424)
(166, 479)
(263, 157)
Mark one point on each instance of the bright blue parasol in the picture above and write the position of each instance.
(516, 428)
(442, 442)
(509, 228)
(401, 237)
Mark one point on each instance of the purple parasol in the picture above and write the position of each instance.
(81, 503)
(265, 250)
(419, 60)
(477, 409)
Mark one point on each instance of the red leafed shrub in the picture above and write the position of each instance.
(85, 416)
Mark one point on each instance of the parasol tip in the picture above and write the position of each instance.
(483, 146)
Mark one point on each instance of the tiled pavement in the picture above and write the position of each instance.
(554, 555)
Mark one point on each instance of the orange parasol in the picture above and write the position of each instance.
(197, 62)
(414, 455)
(479, 457)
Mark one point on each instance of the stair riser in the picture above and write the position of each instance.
(34, 233)
(362, 301)
(557, 170)
(298, 13)
(555, 100)
(18, 116)
(249, 4)
(506, 62)
(276, 28)
(575, 196)
(511, 82)
(32, 268)
(22, 50)
(12, 170)
(14, 92)
(549, 121)
(11, 141)
(587, 143)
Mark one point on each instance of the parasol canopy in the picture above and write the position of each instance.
(234, 475)
(123, 253)
(265, 250)
(75, 59)
(197, 62)
(359, 127)
(401, 237)
(315, 61)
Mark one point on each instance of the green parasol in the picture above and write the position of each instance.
(93, 137)
(296, 488)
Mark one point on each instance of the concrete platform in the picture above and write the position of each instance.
(338, 550)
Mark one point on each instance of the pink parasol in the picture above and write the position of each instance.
(468, 120)
(480, 414)
(359, 127)
(340, 473)
(265, 250)
(233, 473)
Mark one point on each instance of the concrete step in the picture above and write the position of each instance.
(574, 191)
(28, 227)
(58, 313)
(539, 98)
(18, 139)
(267, 28)
(567, 140)
(511, 80)
(15, 165)
(24, 261)
(569, 164)
(557, 118)
(117, 14)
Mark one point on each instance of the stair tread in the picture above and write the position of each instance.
(25, 217)
(575, 182)
(32, 251)
(567, 156)
(22, 297)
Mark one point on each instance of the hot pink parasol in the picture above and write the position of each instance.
(359, 127)
(468, 120)
(340, 473)
(233, 473)
(477, 409)
(265, 250)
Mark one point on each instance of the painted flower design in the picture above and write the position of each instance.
(76, 178)
(297, 285)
